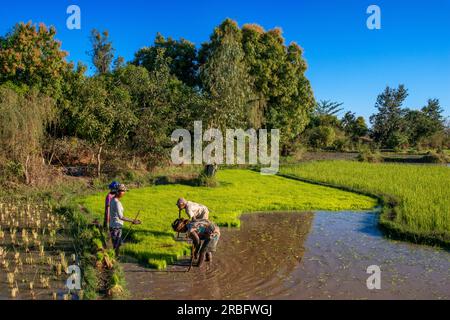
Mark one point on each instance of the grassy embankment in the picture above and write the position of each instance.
(239, 191)
(416, 198)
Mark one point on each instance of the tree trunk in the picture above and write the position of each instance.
(99, 163)
(210, 170)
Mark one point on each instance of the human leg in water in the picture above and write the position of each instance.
(202, 253)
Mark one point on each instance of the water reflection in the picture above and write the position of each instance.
(303, 256)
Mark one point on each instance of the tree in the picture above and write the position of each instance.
(424, 123)
(353, 126)
(225, 78)
(181, 56)
(283, 96)
(388, 126)
(327, 107)
(101, 114)
(30, 55)
(161, 103)
(102, 52)
(25, 115)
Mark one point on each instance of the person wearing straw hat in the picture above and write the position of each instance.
(195, 211)
(117, 218)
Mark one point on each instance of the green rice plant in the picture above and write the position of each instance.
(416, 197)
(238, 191)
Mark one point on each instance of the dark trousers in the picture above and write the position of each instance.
(116, 237)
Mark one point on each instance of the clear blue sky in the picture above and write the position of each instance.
(347, 62)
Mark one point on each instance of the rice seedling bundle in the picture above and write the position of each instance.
(10, 278)
(58, 269)
(45, 282)
(14, 292)
(5, 264)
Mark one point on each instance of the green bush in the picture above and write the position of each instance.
(12, 171)
(321, 137)
(368, 155)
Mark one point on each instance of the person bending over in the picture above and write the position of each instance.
(204, 234)
(195, 211)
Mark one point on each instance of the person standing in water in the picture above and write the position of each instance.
(205, 235)
(117, 218)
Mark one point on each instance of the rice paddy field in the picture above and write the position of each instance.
(35, 252)
(239, 191)
(422, 193)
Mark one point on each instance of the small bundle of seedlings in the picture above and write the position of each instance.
(14, 292)
(29, 259)
(45, 281)
(58, 269)
(10, 277)
(5, 264)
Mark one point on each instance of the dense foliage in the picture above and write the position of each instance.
(240, 78)
(122, 116)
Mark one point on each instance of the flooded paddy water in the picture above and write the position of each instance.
(322, 255)
(35, 251)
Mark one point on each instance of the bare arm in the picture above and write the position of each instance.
(195, 240)
(130, 220)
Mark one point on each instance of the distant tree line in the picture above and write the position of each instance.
(393, 127)
(242, 77)
(52, 113)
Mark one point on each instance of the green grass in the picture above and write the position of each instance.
(417, 197)
(239, 191)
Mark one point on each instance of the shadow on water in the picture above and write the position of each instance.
(302, 256)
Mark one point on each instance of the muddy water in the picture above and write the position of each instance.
(323, 255)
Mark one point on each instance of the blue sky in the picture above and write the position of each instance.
(347, 62)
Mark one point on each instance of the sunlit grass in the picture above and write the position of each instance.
(239, 191)
(423, 192)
